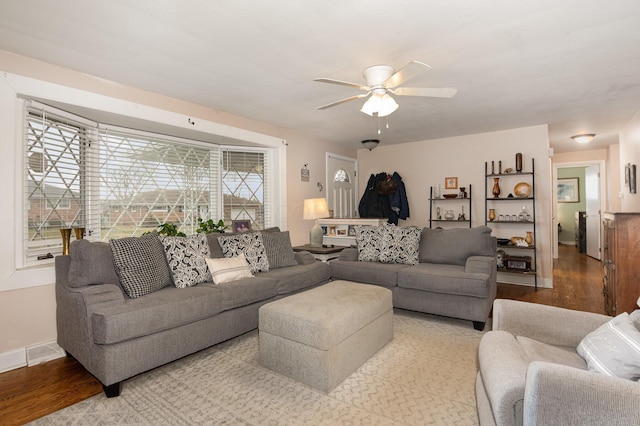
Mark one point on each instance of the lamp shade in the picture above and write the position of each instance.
(315, 208)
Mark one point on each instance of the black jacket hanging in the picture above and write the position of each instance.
(373, 204)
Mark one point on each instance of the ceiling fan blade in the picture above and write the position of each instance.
(411, 70)
(341, 83)
(352, 98)
(434, 92)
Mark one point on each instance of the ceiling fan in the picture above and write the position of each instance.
(382, 81)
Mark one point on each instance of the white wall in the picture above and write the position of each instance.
(426, 163)
(27, 316)
(630, 153)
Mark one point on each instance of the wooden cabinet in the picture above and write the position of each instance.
(621, 262)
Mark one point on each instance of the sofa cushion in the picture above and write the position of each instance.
(277, 245)
(140, 264)
(91, 263)
(165, 309)
(449, 279)
(186, 257)
(455, 245)
(400, 244)
(246, 291)
(228, 269)
(613, 349)
(539, 351)
(296, 278)
(383, 274)
(250, 244)
(369, 242)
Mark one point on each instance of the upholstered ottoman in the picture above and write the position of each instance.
(321, 336)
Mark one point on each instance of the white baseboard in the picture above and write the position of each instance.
(30, 356)
(13, 359)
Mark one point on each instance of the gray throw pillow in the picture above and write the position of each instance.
(400, 244)
(186, 257)
(91, 263)
(613, 349)
(140, 264)
(277, 245)
(250, 244)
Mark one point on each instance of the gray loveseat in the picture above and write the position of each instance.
(532, 369)
(455, 275)
(116, 337)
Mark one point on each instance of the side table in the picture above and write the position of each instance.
(321, 253)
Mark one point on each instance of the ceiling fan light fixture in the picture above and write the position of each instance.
(382, 105)
(370, 143)
(583, 138)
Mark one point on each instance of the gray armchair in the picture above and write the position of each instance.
(531, 374)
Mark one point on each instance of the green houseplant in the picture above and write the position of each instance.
(210, 226)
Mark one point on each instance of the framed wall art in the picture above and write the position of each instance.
(568, 190)
(451, 183)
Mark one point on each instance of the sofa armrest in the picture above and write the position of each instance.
(558, 394)
(548, 324)
(304, 258)
(480, 264)
(349, 254)
(503, 368)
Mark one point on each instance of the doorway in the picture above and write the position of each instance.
(577, 221)
(342, 186)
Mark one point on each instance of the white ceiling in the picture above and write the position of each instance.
(572, 64)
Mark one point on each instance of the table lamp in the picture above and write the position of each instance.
(315, 208)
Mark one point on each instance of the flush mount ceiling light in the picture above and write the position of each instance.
(583, 138)
(370, 143)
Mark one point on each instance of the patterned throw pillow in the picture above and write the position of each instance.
(613, 349)
(140, 264)
(400, 244)
(277, 245)
(250, 244)
(228, 269)
(369, 241)
(186, 258)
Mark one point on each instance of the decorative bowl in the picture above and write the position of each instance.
(450, 195)
(522, 190)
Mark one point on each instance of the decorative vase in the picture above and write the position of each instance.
(492, 215)
(519, 162)
(496, 188)
(529, 238)
(79, 233)
(66, 238)
(449, 215)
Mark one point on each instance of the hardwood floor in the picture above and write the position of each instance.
(30, 393)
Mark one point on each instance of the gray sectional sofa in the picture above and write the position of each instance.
(115, 336)
(455, 274)
(121, 309)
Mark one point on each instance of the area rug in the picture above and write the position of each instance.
(425, 375)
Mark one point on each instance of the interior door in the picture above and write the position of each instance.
(592, 189)
(342, 186)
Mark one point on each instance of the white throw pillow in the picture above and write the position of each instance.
(228, 269)
(613, 349)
